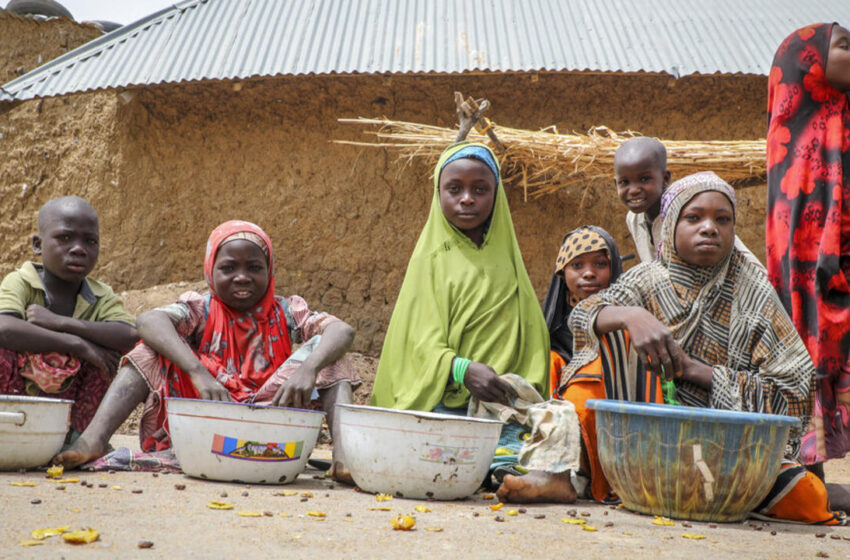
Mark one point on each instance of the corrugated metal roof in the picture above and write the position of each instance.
(235, 39)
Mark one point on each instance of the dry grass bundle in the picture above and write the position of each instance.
(545, 161)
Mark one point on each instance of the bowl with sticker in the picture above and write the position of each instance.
(241, 442)
(685, 462)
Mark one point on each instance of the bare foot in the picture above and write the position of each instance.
(80, 453)
(341, 474)
(839, 496)
(537, 486)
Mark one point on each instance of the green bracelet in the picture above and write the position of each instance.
(459, 367)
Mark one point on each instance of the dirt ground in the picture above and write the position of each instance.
(127, 508)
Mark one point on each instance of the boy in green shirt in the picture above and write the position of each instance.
(62, 333)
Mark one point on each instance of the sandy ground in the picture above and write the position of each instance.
(127, 508)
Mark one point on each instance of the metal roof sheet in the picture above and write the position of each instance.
(236, 39)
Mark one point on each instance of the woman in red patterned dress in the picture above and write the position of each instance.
(808, 221)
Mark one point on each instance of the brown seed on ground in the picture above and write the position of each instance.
(102, 485)
(585, 514)
(136, 491)
(268, 514)
(773, 533)
(609, 523)
(822, 554)
(605, 512)
(111, 471)
(179, 486)
(60, 487)
(348, 514)
(712, 525)
(499, 518)
(475, 514)
(835, 537)
(145, 544)
(847, 538)
(155, 475)
(305, 499)
(820, 535)
(223, 494)
(522, 510)
(244, 493)
(35, 501)
(572, 513)
(686, 524)
(759, 528)
(540, 516)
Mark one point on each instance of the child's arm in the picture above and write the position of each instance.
(21, 336)
(158, 332)
(110, 334)
(295, 391)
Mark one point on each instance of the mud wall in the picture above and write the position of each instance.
(173, 162)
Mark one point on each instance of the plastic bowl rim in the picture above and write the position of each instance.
(678, 412)
(29, 399)
(249, 405)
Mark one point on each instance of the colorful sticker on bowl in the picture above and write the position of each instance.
(453, 455)
(247, 450)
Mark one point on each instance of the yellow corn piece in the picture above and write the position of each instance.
(55, 471)
(316, 514)
(218, 504)
(383, 497)
(487, 496)
(306, 494)
(588, 527)
(512, 512)
(662, 521)
(249, 514)
(574, 520)
(116, 488)
(434, 529)
(25, 483)
(402, 523)
(497, 507)
(30, 543)
(41, 534)
(692, 536)
(382, 508)
(285, 515)
(63, 480)
(84, 536)
(286, 493)
(422, 509)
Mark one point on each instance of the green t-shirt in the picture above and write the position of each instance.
(95, 302)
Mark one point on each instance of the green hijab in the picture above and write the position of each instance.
(461, 300)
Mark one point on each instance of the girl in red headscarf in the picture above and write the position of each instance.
(232, 344)
(808, 218)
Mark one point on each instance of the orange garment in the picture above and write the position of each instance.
(587, 383)
(800, 496)
(556, 363)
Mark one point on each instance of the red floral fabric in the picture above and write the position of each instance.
(808, 224)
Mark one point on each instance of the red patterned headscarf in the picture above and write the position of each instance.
(242, 350)
(808, 214)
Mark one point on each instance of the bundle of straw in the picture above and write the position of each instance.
(545, 161)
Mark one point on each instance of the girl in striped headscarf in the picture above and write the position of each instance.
(706, 318)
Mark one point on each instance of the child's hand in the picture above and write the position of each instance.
(42, 317)
(486, 385)
(296, 390)
(101, 358)
(209, 389)
(653, 342)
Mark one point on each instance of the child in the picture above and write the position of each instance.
(234, 344)
(706, 318)
(587, 263)
(641, 175)
(467, 315)
(61, 332)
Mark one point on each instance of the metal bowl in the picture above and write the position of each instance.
(32, 430)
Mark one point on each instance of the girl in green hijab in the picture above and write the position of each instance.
(467, 314)
(466, 299)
